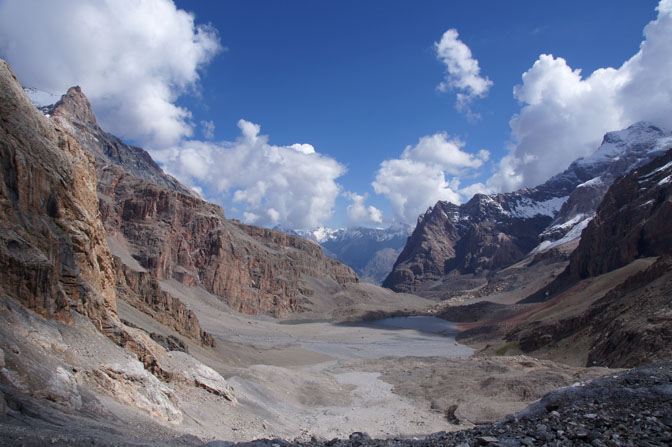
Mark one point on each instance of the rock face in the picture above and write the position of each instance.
(486, 233)
(489, 233)
(57, 276)
(76, 109)
(631, 324)
(631, 222)
(144, 292)
(53, 254)
(173, 234)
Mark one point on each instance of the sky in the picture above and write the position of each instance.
(323, 113)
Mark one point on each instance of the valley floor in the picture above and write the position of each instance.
(312, 378)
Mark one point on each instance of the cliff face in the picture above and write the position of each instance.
(53, 254)
(173, 234)
(631, 324)
(176, 236)
(75, 111)
(484, 234)
(633, 221)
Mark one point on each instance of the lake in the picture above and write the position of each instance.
(432, 325)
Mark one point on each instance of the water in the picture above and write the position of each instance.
(430, 325)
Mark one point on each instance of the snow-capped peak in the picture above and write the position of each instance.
(641, 137)
(40, 98)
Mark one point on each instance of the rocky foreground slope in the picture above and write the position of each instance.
(632, 408)
(459, 247)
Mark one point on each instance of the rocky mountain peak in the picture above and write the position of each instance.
(75, 107)
(491, 232)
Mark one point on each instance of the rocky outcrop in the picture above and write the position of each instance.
(633, 221)
(489, 233)
(143, 291)
(75, 109)
(53, 254)
(57, 280)
(485, 234)
(630, 325)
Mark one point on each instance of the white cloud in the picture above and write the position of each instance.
(462, 71)
(293, 186)
(133, 59)
(208, 129)
(565, 115)
(426, 173)
(360, 214)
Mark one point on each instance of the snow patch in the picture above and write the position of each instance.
(667, 179)
(592, 182)
(528, 208)
(573, 234)
(41, 98)
(324, 234)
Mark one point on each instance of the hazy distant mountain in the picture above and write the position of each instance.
(371, 252)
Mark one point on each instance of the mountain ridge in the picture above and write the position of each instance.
(491, 232)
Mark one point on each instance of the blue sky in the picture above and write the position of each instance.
(359, 82)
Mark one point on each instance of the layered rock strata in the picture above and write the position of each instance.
(173, 234)
(53, 254)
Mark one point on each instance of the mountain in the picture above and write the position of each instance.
(631, 222)
(158, 228)
(456, 248)
(108, 279)
(630, 323)
(370, 252)
(65, 355)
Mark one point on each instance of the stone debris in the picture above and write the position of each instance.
(630, 409)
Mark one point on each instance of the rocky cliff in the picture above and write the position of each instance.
(64, 353)
(484, 234)
(173, 234)
(53, 254)
(176, 236)
(489, 233)
(631, 222)
(76, 111)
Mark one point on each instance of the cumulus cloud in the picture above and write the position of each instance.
(133, 59)
(564, 115)
(360, 214)
(462, 71)
(426, 173)
(293, 186)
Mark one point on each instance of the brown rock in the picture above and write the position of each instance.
(53, 254)
(142, 291)
(633, 221)
(178, 236)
